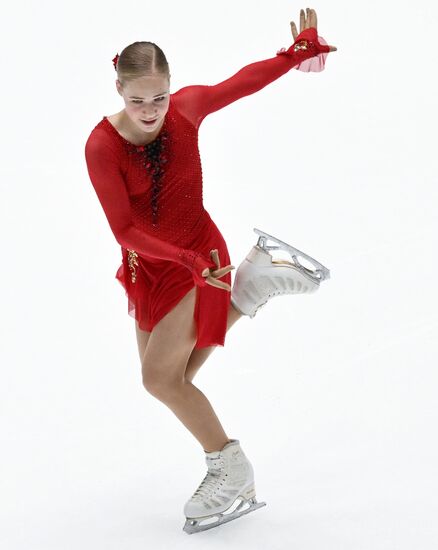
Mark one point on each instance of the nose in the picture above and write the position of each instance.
(151, 114)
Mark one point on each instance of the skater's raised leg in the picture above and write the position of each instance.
(168, 350)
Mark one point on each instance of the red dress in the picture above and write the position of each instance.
(152, 198)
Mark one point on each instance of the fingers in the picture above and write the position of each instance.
(213, 278)
(311, 14)
(302, 20)
(294, 30)
(212, 275)
(218, 284)
(218, 273)
(214, 254)
(307, 19)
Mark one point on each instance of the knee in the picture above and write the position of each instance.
(158, 384)
(153, 382)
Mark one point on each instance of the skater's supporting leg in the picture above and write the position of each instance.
(142, 340)
(168, 349)
(199, 356)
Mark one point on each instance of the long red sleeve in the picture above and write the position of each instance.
(197, 101)
(108, 182)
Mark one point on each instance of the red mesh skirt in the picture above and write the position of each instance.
(161, 284)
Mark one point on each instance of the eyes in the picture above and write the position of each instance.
(156, 99)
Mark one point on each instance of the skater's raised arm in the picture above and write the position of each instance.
(107, 179)
(197, 101)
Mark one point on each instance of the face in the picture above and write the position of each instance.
(146, 99)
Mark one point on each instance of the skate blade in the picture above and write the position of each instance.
(193, 525)
(321, 271)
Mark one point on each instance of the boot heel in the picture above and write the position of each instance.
(259, 257)
(249, 492)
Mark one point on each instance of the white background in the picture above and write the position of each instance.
(332, 395)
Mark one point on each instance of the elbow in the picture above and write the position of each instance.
(123, 235)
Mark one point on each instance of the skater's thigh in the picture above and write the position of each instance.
(142, 340)
(170, 344)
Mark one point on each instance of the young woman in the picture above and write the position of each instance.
(145, 167)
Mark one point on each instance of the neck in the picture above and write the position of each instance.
(137, 137)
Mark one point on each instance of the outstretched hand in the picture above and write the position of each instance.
(212, 275)
(307, 21)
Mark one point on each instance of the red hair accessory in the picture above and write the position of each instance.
(115, 61)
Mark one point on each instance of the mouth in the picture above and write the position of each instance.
(149, 122)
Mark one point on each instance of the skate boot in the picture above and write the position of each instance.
(229, 481)
(259, 277)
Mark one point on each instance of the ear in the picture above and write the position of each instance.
(119, 86)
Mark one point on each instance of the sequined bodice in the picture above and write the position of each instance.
(163, 178)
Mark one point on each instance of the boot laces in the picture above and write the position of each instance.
(211, 479)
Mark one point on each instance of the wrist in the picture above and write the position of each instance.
(188, 257)
(305, 46)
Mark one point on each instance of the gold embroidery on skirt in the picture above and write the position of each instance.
(132, 262)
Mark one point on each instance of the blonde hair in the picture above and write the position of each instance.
(141, 59)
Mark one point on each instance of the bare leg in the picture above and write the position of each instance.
(200, 355)
(168, 349)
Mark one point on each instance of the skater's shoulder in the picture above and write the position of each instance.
(102, 140)
(105, 132)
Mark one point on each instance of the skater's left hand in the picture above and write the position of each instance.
(212, 275)
(305, 23)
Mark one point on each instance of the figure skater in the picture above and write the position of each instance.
(145, 167)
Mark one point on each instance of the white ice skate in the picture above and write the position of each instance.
(229, 481)
(260, 277)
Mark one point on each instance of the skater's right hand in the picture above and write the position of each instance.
(307, 22)
(212, 275)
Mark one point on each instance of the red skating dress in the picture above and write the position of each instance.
(152, 197)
